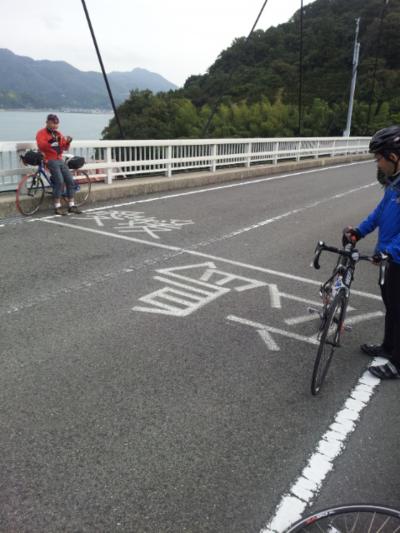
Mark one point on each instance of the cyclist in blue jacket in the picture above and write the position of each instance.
(385, 145)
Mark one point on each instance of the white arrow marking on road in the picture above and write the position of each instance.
(270, 329)
(212, 271)
(301, 319)
(360, 318)
(309, 317)
(185, 300)
(275, 296)
(269, 341)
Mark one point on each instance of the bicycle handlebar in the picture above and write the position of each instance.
(351, 253)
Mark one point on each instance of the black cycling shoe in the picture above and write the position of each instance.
(374, 350)
(387, 371)
(74, 209)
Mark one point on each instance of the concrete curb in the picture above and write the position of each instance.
(147, 185)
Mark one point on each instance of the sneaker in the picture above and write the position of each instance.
(59, 211)
(75, 210)
(387, 371)
(374, 350)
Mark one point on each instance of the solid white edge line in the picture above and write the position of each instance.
(306, 487)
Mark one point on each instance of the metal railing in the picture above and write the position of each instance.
(109, 160)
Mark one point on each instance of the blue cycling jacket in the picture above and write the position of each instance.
(386, 217)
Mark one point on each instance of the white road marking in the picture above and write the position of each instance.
(201, 254)
(223, 278)
(360, 318)
(301, 319)
(156, 301)
(270, 329)
(332, 443)
(349, 320)
(305, 489)
(269, 341)
(192, 294)
(275, 296)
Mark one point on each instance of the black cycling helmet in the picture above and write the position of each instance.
(386, 141)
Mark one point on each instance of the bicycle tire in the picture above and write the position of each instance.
(30, 194)
(83, 188)
(329, 340)
(355, 518)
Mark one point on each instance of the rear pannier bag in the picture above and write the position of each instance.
(76, 162)
(32, 157)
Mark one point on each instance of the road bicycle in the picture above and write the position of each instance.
(350, 518)
(335, 294)
(32, 188)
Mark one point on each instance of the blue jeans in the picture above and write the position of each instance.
(61, 174)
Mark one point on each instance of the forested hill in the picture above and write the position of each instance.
(260, 79)
(269, 64)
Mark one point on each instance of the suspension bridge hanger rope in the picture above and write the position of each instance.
(224, 86)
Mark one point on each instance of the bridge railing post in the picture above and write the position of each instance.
(214, 152)
(298, 151)
(276, 152)
(248, 154)
(168, 166)
(109, 176)
(316, 155)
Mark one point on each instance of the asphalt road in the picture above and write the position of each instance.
(156, 361)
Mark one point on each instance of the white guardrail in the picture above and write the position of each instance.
(108, 160)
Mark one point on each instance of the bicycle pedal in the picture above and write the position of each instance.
(313, 311)
(348, 327)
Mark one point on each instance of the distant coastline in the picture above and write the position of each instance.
(22, 125)
(63, 110)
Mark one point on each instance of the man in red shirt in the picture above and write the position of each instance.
(52, 144)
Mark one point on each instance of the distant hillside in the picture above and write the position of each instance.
(26, 83)
(268, 65)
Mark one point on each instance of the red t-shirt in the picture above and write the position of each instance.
(51, 143)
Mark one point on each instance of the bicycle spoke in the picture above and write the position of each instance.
(370, 526)
(30, 193)
(353, 520)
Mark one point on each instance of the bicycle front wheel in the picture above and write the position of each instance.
(83, 187)
(30, 193)
(354, 518)
(329, 340)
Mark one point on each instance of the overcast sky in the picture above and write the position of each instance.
(175, 38)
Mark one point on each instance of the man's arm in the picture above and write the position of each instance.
(370, 223)
(65, 142)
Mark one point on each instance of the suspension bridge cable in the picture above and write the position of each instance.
(103, 69)
(301, 70)
(229, 78)
(372, 93)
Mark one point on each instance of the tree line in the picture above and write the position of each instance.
(259, 81)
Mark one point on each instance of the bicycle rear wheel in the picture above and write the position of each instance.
(354, 518)
(30, 193)
(83, 187)
(329, 340)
